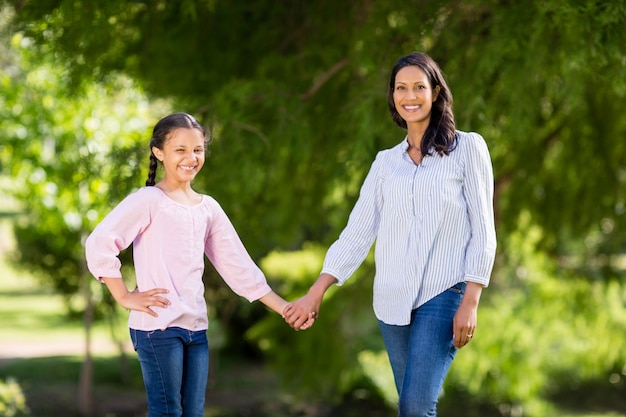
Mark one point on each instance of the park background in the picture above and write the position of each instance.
(294, 94)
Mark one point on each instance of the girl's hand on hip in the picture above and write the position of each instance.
(144, 300)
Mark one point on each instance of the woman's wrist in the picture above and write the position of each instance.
(319, 288)
(473, 291)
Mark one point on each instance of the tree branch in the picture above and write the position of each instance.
(324, 78)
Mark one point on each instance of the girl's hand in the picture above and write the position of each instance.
(136, 300)
(143, 301)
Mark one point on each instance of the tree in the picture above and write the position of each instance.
(66, 155)
(295, 96)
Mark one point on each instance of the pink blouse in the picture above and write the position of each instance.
(169, 240)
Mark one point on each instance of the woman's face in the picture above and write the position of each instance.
(413, 95)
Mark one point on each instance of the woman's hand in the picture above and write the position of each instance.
(466, 317)
(464, 325)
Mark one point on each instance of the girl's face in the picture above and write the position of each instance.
(182, 154)
(413, 95)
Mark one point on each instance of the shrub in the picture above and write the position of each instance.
(12, 400)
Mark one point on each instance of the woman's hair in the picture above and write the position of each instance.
(441, 132)
(161, 134)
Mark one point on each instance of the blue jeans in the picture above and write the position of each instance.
(175, 368)
(421, 353)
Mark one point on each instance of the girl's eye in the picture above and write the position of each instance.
(400, 87)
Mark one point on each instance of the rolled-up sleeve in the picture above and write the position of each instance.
(478, 192)
(349, 251)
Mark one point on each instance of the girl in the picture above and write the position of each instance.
(428, 204)
(171, 227)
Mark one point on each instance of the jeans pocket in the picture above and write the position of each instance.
(457, 288)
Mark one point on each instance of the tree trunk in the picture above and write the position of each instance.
(85, 385)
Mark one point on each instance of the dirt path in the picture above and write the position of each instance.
(17, 349)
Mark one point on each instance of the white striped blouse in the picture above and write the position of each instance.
(433, 226)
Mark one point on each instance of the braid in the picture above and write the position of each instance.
(152, 171)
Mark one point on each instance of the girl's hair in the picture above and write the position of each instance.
(441, 132)
(161, 133)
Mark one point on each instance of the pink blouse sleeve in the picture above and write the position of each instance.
(115, 233)
(230, 258)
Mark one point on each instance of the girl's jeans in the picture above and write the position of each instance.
(421, 353)
(175, 367)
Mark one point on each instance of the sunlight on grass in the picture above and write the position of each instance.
(30, 313)
(26, 306)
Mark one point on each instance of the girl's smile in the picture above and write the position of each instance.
(182, 155)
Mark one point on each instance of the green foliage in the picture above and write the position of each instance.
(375, 365)
(12, 400)
(547, 85)
(324, 359)
(550, 331)
(553, 330)
(295, 96)
(70, 158)
(66, 369)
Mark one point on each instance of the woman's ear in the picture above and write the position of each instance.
(436, 92)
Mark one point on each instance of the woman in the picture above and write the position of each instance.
(428, 204)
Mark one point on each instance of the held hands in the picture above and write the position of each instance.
(308, 323)
(301, 314)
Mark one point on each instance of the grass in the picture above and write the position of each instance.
(41, 349)
(31, 313)
(50, 385)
